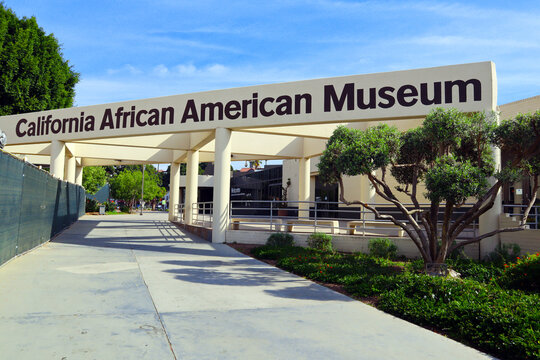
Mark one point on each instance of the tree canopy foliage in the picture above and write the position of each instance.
(451, 154)
(33, 74)
(127, 184)
(94, 177)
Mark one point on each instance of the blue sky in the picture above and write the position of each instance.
(138, 49)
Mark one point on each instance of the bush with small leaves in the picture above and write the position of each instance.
(91, 205)
(503, 322)
(320, 241)
(524, 274)
(382, 247)
(280, 240)
(109, 206)
(504, 253)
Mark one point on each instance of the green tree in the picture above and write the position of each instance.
(127, 186)
(94, 177)
(451, 154)
(33, 74)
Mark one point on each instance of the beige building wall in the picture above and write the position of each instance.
(510, 110)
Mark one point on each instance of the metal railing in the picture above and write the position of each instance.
(202, 213)
(178, 212)
(323, 216)
(533, 220)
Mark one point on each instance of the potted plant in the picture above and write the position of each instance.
(282, 205)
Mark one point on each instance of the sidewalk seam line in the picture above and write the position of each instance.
(155, 307)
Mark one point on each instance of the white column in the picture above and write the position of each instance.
(222, 184)
(71, 164)
(368, 195)
(78, 172)
(303, 186)
(192, 184)
(58, 154)
(174, 190)
(489, 221)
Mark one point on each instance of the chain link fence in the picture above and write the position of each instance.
(34, 206)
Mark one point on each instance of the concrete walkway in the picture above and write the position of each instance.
(136, 287)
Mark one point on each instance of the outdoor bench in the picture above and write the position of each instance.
(332, 224)
(235, 222)
(378, 225)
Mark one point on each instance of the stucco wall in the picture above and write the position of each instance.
(341, 243)
(528, 240)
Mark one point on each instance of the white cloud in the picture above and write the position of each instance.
(161, 80)
(216, 69)
(160, 70)
(188, 69)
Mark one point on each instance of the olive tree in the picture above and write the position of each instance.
(451, 154)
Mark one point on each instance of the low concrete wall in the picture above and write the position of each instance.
(346, 243)
(202, 232)
(528, 240)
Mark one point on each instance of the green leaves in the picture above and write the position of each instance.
(127, 186)
(94, 177)
(519, 139)
(453, 181)
(356, 152)
(33, 74)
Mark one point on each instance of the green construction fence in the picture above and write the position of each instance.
(34, 206)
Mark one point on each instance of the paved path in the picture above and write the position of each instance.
(136, 287)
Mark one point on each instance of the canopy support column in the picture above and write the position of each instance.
(71, 164)
(222, 184)
(174, 190)
(58, 158)
(489, 221)
(192, 184)
(79, 173)
(303, 186)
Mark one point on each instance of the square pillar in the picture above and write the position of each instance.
(70, 169)
(58, 155)
(222, 184)
(79, 172)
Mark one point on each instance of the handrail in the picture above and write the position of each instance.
(318, 213)
(533, 220)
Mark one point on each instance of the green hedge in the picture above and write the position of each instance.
(503, 322)
(477, 310)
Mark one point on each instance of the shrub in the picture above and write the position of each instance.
(91, 205)
(524, 274)
(479, 271)
(503, 322)
(280, 240)
(504, 253)
(382, 247)
(125, 209)
(109, 206)
(320, 241)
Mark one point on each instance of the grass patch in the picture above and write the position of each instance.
(116, 213)
(483, 309)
